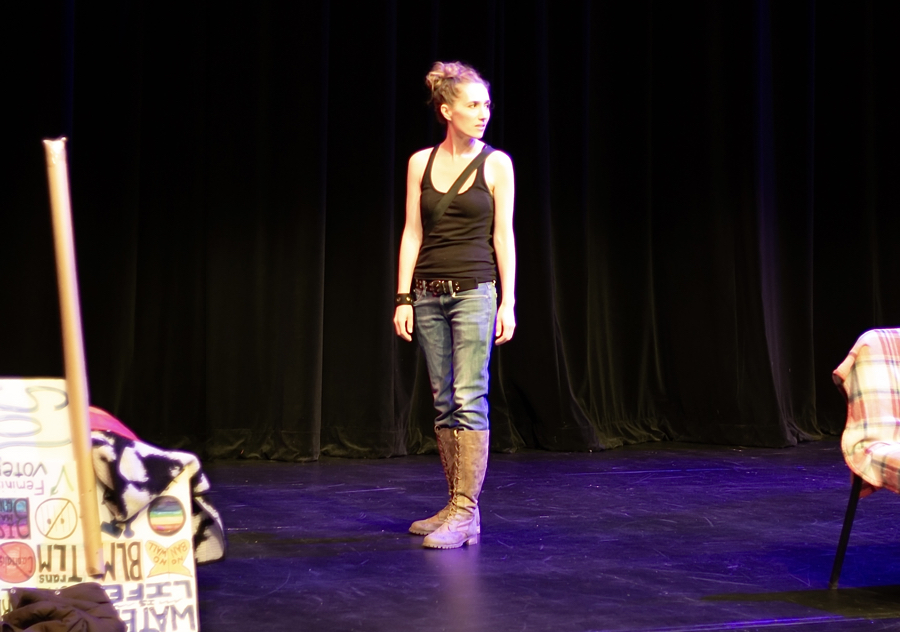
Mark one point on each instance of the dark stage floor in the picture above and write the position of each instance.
(660, 537)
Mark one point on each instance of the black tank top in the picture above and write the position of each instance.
(461, 245)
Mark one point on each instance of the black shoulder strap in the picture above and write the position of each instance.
(454, 190)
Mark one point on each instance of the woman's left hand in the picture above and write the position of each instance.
(506, 324)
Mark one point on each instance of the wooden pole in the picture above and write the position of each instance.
(73, 352)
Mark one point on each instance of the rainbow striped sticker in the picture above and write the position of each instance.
(166, 515)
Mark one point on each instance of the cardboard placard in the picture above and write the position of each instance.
(149, 563)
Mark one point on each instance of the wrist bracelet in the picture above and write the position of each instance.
(403, 299)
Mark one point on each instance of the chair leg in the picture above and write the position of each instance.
(845, 532)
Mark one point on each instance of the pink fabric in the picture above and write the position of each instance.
(870, 380)
(102, 420)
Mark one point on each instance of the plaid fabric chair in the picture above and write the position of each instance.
(869, 378)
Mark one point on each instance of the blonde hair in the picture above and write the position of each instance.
(444, 80)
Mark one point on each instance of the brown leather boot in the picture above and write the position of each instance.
(462, 525)
(446, 442)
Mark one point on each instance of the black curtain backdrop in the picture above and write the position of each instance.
(707, 207)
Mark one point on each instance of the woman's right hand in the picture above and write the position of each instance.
(403, 322)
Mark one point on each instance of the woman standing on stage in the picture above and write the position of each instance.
(453, 251)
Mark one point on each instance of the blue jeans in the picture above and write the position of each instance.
(456, 334)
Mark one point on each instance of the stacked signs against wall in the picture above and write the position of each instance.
(149, 562)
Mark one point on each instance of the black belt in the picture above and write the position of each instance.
(445, 286)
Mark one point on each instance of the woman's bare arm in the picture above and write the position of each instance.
(410, 242)
(503, 181)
